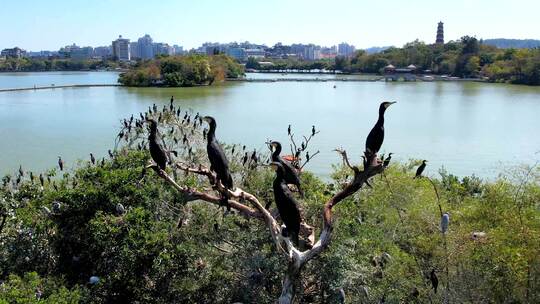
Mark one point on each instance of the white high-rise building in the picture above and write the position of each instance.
(121, 49)
(146, 47)
(345, 49)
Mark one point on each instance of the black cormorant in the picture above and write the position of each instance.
(420, 169)
(375, 138)
(60, 163)
(387, 160)
(244, 159)
(92, 159)
(156, 150)
(287, 206)
(290, 173)
(434, 280)
(41, 180)
(218, 160)
(312, 130)
(289, 130)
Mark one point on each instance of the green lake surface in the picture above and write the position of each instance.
(465, 127)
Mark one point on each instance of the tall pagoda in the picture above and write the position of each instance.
(440, 33)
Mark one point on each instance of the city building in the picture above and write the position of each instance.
(345, 49)
(42, 54)
(309, 52)
(76, 52)
(103, 52)
(163, 49)
(135, 51)
(237, 53)
(440, 33)
(120, 49)
(145, 46)
(15, 52)
(178, 50)
(255, 53)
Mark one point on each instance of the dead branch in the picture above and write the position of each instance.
(346, 159)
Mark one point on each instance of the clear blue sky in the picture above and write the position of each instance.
(50, 24)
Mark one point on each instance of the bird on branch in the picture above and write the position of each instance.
(420, 169)
(60, 163)
(156, 150)
(290, 173)
(287, 206)
(375, 138)
(386, 161)
(218, 161)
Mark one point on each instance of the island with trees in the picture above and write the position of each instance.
(182, 71)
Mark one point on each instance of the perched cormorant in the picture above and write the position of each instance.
(41, 180)
(290, 173)
(312, 130)
(375, 138)
(289, 130)
(244, 159)
(60, 163)
(218, 160)
(92, 159)
(254, 156)
(21, 172)
(434, 280)
(111, 155)
(287, 206)
(420, 169)
(387, 160)
(156, 150)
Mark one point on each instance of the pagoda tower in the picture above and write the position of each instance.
(440, 34)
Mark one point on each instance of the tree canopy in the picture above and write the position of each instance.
(182, 71)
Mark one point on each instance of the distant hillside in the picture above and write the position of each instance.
(376, 49)
(513, 43)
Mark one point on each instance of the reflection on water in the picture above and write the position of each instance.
(465, 127)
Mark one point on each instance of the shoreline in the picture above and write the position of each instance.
(59, 87)
(266, 80)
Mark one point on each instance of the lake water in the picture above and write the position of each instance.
(469, 128)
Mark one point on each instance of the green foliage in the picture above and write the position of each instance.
(32, 289)
(182, 71)
(467, 57)
(40, 65)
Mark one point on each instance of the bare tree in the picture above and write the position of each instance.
(248, 205)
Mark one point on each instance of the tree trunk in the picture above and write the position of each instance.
(288, 290)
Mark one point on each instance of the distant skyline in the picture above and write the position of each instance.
(48, 25)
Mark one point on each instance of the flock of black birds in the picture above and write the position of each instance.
(286, 172)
